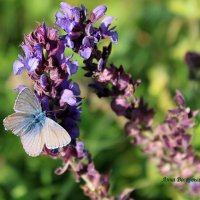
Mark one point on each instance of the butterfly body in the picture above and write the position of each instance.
(39, 118)
(32, 125)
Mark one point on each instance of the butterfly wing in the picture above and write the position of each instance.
(18, 122)
(55, 136)
(23, 123)
(33, 140)
(27, 102)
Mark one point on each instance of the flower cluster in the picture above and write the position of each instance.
(81, 35)
(169, 144)
(50, 71)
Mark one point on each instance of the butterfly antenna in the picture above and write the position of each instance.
(54, 110)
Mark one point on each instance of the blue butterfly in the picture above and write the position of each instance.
(32, 125)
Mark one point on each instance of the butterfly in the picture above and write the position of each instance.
(30, 123)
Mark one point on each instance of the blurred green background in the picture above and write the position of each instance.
(153, 38)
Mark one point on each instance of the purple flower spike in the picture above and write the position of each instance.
(49, 69)
(81, 35)
(71, 18)
(97, 13)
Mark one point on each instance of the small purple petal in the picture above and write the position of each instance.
(105, 76)
(179, 98)
(59, 15)
(80, 148)
(21, 57)
(67, 97)
(68, 42)
(64, 23)
(43, 80)
(52, 34)
(69, 25)
(100, 64)
(38, 51)
(17, 67)
(65, 83)
(71, 128)
(60, 20)
(32, 64)
(45, 103)
(85, 53)
(107, 21)
(97, 13)
(26, 50)
(123, 82)
(73, 113)
(66, 8)
(114, 37)
(120, 105)
(72, 67)
(89, 41)
(89, 29)
(43, 29)
(75, 88)
(76, 14)
(98, 35)
(84, 11)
